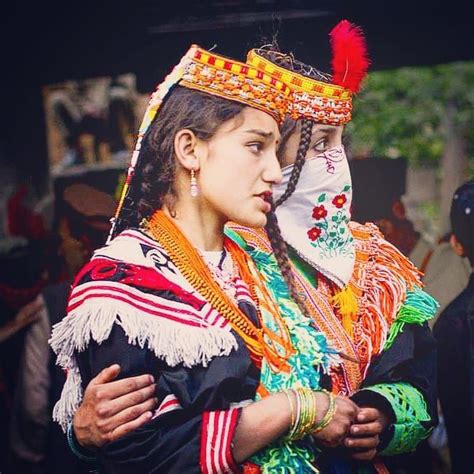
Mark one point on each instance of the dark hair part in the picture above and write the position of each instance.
(462, 218)
(154, 176)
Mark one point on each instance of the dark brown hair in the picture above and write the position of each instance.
(154, 176)
(279, 246)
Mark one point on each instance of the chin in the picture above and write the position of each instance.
(251, 219)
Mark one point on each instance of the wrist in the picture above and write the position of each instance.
(83, 453)
(310, 411)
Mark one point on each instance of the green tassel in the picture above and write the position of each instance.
(418, 307)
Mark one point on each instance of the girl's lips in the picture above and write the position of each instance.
(266, 197)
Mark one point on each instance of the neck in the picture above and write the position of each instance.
(202, 227)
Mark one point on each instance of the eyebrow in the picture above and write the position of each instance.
(263, 134)
(327, 129)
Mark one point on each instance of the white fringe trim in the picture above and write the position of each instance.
(170, 341)
(71, 398)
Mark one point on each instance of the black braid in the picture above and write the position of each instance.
(280, 250)
(305, 141)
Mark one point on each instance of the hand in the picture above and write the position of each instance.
(337, 430)
(29, 313)
(364, 433)
(110, 410)
(26, 315)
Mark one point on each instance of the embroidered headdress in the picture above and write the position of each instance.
(217, 75)
(316, 95)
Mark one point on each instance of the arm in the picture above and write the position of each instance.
(194, 426)
(402, 384)
(31, 412)
(112, 408)
(259, 423)
(25, 316)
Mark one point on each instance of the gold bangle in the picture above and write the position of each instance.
(331, 411)
(305, 414)
(292, 410)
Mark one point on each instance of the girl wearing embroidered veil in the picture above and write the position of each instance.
(362, 293)
(170, 295)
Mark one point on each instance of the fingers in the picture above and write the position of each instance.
(109, 408)
(118, 388)
(366, 429)
(336, 431)
(370, 442)
(366, 415)
(347, 408)
(126, 428)
(133, 413)
(364, 455)
(106, 375)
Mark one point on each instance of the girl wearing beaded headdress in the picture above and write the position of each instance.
(361, 291)
(171, 295)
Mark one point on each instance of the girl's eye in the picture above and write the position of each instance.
(256, 147)
(321, 145)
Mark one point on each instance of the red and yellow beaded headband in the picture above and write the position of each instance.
(324, 102)
(216, 75)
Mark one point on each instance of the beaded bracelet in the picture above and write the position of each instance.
(76, 449)
(331, 411)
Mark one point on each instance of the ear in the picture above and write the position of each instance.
(398, 209)
(385, 226)
(457, 246)
(186, 146)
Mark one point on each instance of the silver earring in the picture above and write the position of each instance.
(194, 186)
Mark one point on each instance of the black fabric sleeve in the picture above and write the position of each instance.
(411, 359)
(175, 441)
(454, 336)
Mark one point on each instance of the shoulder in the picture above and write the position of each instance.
(255, 238)
(374, 254)
(454, 316)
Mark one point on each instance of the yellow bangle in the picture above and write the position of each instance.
(331, 411)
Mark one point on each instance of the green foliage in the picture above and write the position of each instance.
(400, 112)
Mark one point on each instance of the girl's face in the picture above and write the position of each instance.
(323, 138)
(238, 166)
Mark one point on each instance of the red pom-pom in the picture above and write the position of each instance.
(350, 60)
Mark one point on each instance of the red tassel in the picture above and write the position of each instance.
(350, 60)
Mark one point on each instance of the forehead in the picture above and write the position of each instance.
(324, 128)
(252, 119)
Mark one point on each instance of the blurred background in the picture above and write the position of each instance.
(76, 78)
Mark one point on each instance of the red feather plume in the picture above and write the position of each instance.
(350, 60)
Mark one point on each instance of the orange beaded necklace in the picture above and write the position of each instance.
(260, 341)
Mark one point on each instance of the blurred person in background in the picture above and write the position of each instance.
(379, 186)
(454, 332)
(38, 445)
(22, 277)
